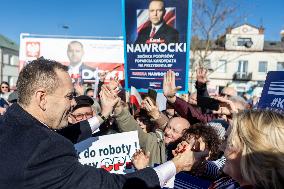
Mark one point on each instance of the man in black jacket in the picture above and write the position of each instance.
(158, 31)
(32, 155)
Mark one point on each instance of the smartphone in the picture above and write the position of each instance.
(208, 103)
(152, 94)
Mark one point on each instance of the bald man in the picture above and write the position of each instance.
(159, 143)
(228, 92)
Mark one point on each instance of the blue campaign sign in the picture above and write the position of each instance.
(156, 39)
(272, 96)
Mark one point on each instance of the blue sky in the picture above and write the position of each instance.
(104, 17)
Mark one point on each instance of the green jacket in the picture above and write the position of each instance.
(152, 142)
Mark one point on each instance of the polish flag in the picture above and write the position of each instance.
(135, 98)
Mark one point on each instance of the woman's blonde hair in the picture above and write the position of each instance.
(259, 135)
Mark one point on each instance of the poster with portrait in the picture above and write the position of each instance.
(157, 38)
(84, 56)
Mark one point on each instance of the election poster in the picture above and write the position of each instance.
(272, 96)
(156, 39)
(84, 56)
(110, 152)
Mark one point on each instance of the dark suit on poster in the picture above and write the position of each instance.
(166, 33)
(33, 156)
(85, 74)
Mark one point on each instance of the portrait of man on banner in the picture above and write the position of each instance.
(156, 24)
(77, 69)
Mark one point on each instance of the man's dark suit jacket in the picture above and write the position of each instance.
(77, 132)
(33, 156)
(165, 32)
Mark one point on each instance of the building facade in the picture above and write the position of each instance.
(9, 61)
(242, 60)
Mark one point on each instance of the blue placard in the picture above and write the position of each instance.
(149, 54)
(272, 96)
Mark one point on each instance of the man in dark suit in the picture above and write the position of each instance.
(33, 155)
(158, 31)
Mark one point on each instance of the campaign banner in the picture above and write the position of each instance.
(110, 152)
(156, 39)
(85, 56)
(272, 96)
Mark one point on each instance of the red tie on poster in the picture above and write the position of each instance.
(153, 32)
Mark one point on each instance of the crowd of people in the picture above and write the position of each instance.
(231, 145)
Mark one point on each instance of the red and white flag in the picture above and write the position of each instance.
(135, 98)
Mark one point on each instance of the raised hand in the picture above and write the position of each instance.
(79, 88)
(227, 107)
(102, 75)
(151, 108)
(169, 85)
(109, 99)
(140, 160)
(201, 75)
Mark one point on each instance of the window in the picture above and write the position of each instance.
(242, 69)
(247, 42)
(221, 66)
(6, 59)
(14, 60)
(262, 66)
(280, 66)
(243, 66)
(12, 81)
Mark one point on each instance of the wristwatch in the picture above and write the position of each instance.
(103, 117)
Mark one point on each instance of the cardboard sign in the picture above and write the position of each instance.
(110, 152)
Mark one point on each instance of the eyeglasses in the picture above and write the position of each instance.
(80, 117)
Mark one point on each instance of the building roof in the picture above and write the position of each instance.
(7, 43)
(273, 46)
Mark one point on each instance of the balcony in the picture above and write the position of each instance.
(242, 76)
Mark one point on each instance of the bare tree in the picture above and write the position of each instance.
(209, 20)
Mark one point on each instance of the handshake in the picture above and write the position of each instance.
(184, 156)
